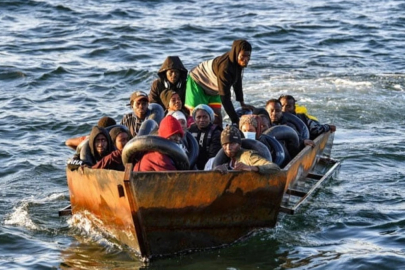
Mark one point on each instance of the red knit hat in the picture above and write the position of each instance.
(170, 126)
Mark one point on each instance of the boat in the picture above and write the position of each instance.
(166, 213)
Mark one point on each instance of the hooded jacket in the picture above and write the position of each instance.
(94, 133)
(160, 84)
(229, 73)
(224, 72)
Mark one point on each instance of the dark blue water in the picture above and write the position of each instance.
(64, 64)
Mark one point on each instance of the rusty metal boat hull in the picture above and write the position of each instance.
(162, 213)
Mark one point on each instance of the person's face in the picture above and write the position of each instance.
(140, 107)
(287, 105)
(175, 103)
(121, 140)
(275, 112)
(202, 119)
(176, 138)
(100, 144)
(231, 149)
(265, 123)
(172, 75)
(243, 58)
(183, 124)
(248, 128)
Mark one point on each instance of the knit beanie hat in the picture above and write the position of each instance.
(230, 134)
(170, 126)
(106, 122)
(206, 108)
(166, 95)
(114, 132)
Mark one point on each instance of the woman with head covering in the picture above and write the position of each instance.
(207, 134)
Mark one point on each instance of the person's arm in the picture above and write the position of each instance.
(315, 128)
(74, 142)
(154, 93)
(253, 159)
(230, 110)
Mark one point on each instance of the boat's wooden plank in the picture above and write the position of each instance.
(67, 211)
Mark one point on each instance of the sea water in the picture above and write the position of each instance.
(65, 64)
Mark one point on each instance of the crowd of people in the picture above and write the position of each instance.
(191, 103)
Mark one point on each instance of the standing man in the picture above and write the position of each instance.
(139, 103)
(211, 81)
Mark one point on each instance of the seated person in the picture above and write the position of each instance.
(274, 108)
(172, 102)
(139, 104)
(100, 145)
(104, 122)
(181, 117)
(242, 159)
(314, 127)
(171, 75)
(207, 134)
(171, 130)
(251, 127)
(113, 161)
(264, 116)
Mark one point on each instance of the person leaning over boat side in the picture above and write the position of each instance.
(113, 161)
(139, 103)
(242, 159)
(315, 128)
(211, 81)
(172, 102)
(171, 130)
(207, 134)
(104, 122)
(171, 75)
(274, 108)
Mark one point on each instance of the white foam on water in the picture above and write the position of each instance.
(20, 217)
(91, 227)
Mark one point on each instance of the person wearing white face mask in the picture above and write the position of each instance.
(250, 126)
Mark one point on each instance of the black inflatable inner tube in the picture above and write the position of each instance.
(149, 126)
(275, 147)
(298, 123)
(287, 135)
(193, 149)
(157, 112)
(249, 144)
(137, 146)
